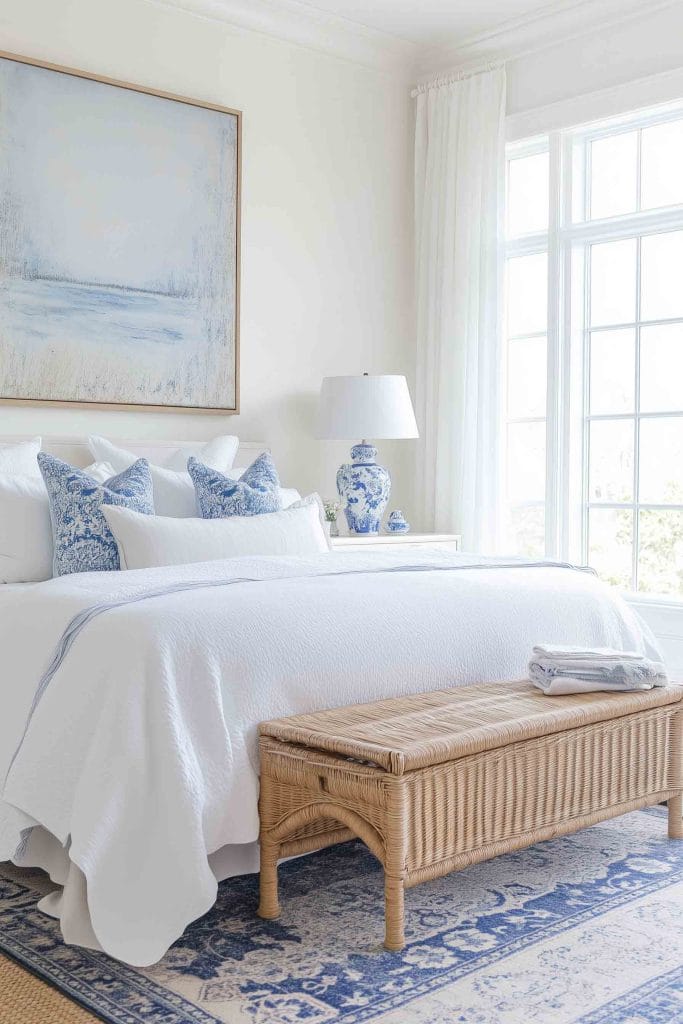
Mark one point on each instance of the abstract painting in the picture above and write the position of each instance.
(119, 243)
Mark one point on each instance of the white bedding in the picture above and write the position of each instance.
(140, 757)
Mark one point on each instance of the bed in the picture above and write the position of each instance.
(128, 738)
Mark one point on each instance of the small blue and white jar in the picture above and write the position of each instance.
(396, 523)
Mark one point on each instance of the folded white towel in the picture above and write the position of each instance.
(557, 653)
(558, 670)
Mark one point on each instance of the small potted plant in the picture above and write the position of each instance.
(331, 513)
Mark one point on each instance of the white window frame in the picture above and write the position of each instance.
(528, 245)
(566, 242)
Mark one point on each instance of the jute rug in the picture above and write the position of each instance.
(26, 1000)
(584, 929)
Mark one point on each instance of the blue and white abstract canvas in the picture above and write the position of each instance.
(118, 244)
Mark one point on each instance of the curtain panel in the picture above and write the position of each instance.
(459, 209)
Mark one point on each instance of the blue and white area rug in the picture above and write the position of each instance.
(587, 928)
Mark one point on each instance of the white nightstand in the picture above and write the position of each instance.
(397, 542)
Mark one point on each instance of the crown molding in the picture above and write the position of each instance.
(540, 29)
(303, 24)
(308, 26)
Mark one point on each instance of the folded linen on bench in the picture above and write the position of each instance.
(559, 670)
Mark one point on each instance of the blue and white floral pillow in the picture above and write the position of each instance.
(255, 492)
(82, 538)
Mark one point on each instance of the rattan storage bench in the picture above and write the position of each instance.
(435, 782)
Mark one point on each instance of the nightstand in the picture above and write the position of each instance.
(407, 542)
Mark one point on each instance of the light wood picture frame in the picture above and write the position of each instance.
(119, 243)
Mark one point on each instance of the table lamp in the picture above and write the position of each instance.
(367, 406)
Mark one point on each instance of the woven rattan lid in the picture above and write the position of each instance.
(424, 729)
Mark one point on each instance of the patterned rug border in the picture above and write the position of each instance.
(508, 949)
(37, 971)
(62, 980)
(657, 989)
(515, 945)
(173, 1008)
(117, 1014)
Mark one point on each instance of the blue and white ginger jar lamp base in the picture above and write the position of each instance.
(364, 487)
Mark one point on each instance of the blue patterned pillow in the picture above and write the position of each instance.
(256, 491)
(83, 540)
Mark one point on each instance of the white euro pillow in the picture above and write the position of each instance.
(287, 495)
(174, 493)
(145, 542)
(26, 544)
(25, 530)
(21, 458)
(219, 453)
(173, 489)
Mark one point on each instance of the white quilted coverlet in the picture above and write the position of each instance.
(140, 758)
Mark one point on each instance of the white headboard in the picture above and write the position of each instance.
(75, 451)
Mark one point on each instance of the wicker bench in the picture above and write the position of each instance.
(434, 782)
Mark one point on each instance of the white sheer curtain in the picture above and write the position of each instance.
(459, 201)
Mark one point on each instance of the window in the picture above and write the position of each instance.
(526, 350)
(594, 350)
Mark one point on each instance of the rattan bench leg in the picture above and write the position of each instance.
(394, 930)
(269, 906)
(676, 817)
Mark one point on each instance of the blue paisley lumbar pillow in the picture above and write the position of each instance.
(83, 541)
(254, 493)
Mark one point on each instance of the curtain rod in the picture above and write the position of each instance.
(449, 78)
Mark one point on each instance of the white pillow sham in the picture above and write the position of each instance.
(25, 530)
(145, 542)
(174, 493)
(173, 490)
(288, 495)
(26, 545)
(219, 453)
(21, 458)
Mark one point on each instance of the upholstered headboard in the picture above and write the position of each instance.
(75, 449)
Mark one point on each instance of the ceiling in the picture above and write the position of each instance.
(416, 38)
(433, 23)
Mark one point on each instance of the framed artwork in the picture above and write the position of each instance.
(119, 243)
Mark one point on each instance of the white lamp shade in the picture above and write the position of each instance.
(365, 407)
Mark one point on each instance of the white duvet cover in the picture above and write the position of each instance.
(130, 702)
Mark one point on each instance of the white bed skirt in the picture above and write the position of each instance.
(69, 902)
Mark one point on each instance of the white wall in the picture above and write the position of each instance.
(326, 216)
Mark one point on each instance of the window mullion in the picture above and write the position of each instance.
(635, 535)
(585, 401)
(555, 461)
(636, 435)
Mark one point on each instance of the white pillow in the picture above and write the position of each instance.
(148, 541)
(218, 453)
(100, 471)
(25, 529)
(173, 490)
(287, 495)
(174, 493)
(26, 545)
(21, 458)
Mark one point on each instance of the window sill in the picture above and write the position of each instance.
(655, 601)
